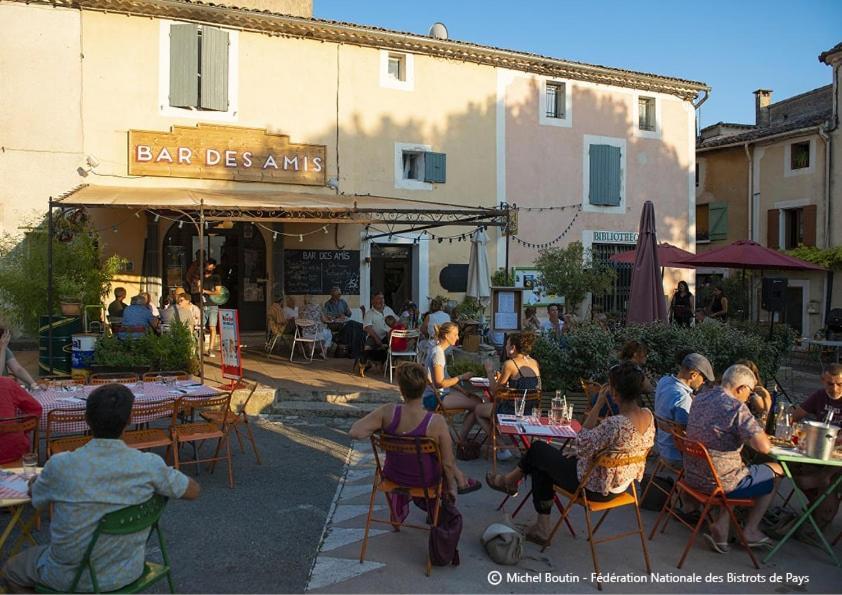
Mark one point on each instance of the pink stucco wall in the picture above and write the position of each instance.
(544, 164)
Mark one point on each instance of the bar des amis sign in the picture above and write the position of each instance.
(225, 153)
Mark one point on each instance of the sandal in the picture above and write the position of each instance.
(721, 547)
(498, 482)
(532, 535)
(471, 486)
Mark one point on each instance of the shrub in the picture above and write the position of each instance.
(588, 351)
(573, 273)
(174, 350)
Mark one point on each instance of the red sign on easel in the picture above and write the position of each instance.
(229, 346)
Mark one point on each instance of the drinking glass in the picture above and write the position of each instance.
(138, 388)
(520, 405)
(30, 462)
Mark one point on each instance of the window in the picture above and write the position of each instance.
(199, 67)
(711, 222)
(799, 156)
(555, 100)
(418, 168)
(793, 228)
(397, 70)
(605, 175)
(646, 114)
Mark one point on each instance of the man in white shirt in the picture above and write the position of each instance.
(376, 330)
(554, 325)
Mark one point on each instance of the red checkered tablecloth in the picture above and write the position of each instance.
(74, 397)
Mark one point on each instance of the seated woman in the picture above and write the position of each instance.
(631, 432)
(520, 372)
(315, 313)
(277, 320)
(455, 397)
(636, 353)
(411, 419)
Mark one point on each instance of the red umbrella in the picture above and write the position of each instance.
(745, 254)
(668, 256)
(646, 298)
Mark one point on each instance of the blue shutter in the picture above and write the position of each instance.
(435, 167)
(184, 65)
(605, 175)
(214, 69)
(718, 220)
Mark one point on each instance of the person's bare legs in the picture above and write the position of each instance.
(751, 530)
(457, 400)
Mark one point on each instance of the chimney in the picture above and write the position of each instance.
(762, 99)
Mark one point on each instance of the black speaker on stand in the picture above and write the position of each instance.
(773, 299)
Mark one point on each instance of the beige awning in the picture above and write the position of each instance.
(268, 205)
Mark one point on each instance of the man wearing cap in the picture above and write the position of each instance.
(673, 397)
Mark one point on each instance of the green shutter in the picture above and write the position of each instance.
(605, 175)
(184, 65)
(214, 80)
(718, 220)
(435, 167)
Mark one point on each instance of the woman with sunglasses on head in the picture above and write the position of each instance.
(630, 433)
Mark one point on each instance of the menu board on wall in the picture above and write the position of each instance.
(316, 271)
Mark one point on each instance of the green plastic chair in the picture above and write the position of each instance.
(132, 519)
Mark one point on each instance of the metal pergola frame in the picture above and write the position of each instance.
(412, 215)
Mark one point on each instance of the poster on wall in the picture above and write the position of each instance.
(534, 293)
(229, 344)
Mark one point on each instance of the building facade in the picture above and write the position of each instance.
(151, 98)
(778, 182)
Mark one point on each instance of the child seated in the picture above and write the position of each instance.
(399, 344)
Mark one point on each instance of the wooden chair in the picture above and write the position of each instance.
(509, 396)
(670, 427)
(63, 430)
(126, 521)
(25, 424)
(697, 450)
(410, 352)
(198, 432)
(606, 460)
(169, 374)
(449, 415)
(235, 419)
(113, 377)
(419, 447)
(145, 438)
(302, 329)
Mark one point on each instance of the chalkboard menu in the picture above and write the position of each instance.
(316, 271)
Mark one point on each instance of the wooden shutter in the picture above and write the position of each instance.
(435, 167)
(809, 213)
(214, 80)
(605, 175)
(773, 228)
(718, 220)
(184, 65)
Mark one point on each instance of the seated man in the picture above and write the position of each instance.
(829, 398)
(82, 486)
(336, 310)
(376, 330)
(15, 401)
(183, 311)
(673, 397)
(115, 308)
(720, 420)
(137, 319)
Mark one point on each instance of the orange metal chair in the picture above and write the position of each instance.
(198, 432)
(21, 423)
(449, 416)
(697, 450)
(142, 414)
(63, 434)
(506, 395)
(382, 445)
(233, 420)
(628, 498)
(169, 374)
(113, 377)
(671, 427)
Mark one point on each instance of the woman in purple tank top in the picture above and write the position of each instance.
(411, 419)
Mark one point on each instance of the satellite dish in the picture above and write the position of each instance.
(438, 31)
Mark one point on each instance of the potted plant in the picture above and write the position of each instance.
(70, 296)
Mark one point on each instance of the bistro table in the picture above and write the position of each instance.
(528, 427)
(790, 455)
(75, 397)
(14, 496)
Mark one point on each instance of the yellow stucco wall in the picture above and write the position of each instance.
(723, 177)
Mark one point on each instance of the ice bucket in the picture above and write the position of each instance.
(819, 439)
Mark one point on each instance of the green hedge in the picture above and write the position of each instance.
(589, 351)
(174, 350)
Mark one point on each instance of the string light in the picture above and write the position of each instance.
(275, 236)
(180, 224)
(325, 228)
(157, 217)
(137, 214)
(300, 237)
